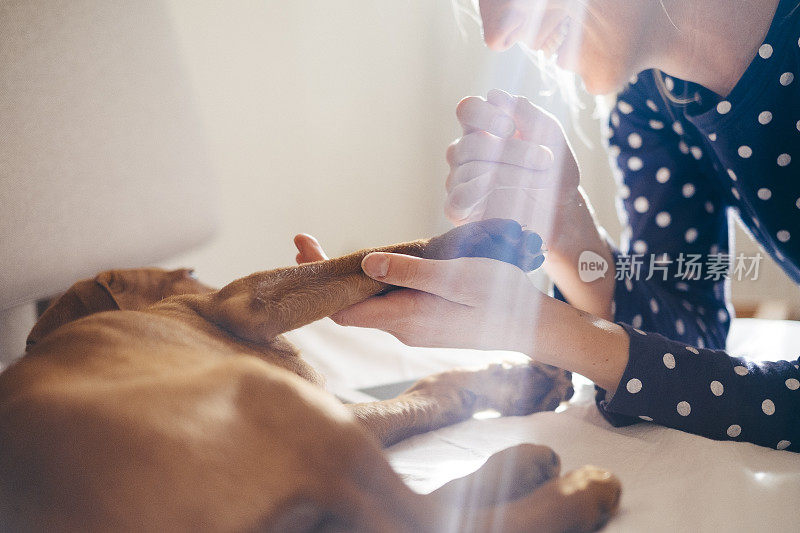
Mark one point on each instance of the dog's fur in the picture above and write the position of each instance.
(150, 402)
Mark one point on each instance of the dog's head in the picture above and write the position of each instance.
(132, 289)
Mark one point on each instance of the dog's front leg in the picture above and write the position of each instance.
(449, 397)
(261, 306)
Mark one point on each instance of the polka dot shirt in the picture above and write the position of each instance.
(684, 170)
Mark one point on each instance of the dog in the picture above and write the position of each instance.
(148, 401)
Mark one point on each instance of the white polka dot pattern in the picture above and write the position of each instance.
(734, 431)
(672, 160)
(768, 407)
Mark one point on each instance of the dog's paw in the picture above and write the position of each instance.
(500, 239)
(519, 390)
(510, 389)
(587, 497)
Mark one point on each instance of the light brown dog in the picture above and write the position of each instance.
(150, 402)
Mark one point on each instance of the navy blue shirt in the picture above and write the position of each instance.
(686, 169)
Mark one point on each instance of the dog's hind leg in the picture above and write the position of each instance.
(261, 306)
(507, 475)
(580, 501)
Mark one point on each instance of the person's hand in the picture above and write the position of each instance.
(458, 303)
(514, 161)
(308, 249)
(484, 304)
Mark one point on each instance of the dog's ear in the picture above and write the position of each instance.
(124, 287)
(83, 298)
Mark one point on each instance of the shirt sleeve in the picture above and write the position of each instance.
(675, 226)
(710, 393)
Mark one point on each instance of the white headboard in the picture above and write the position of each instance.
(102, 162)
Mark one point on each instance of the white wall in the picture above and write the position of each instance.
(333, 117)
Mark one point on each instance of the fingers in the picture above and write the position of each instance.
(389, 312)
(483, 146)
(500, 173)
(453, 279)
(534, 123)
(309, 249)
(435, 277)
(476, 114)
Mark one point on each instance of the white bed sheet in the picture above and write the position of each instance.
(672, 481)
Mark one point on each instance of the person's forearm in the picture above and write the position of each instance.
(578, 341)
(577, 235)
(595, 296)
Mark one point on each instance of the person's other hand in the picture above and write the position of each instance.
(514, 161)
(308, 249)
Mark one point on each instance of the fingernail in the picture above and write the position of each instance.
(502, 125)
(375, 265)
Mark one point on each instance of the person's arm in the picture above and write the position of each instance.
(483, 304)
(710, 393)
(478, 303)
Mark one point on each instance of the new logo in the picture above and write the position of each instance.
(591, 266)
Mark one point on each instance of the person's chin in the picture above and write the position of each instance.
(602, 81)
(598, 87)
